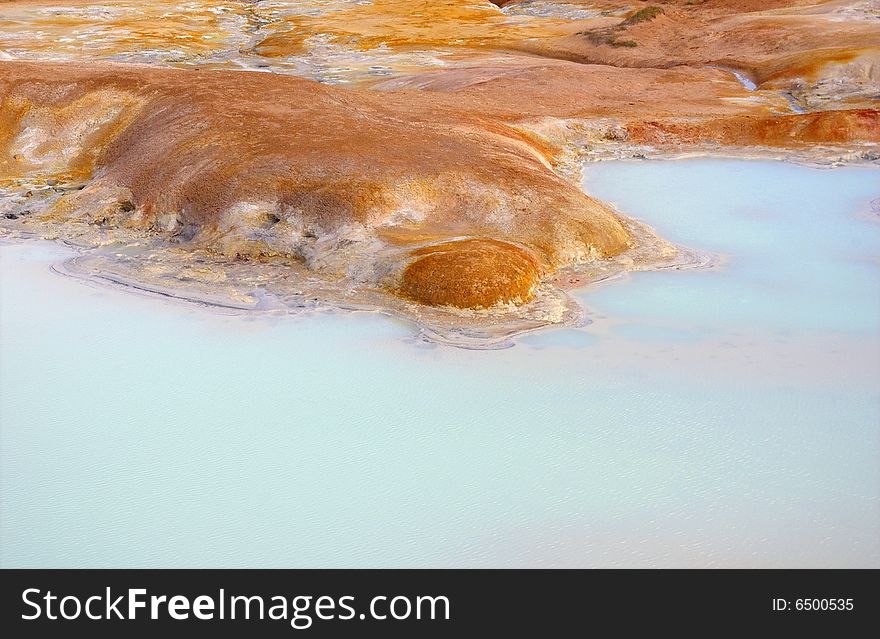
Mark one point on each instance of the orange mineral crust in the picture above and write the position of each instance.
(401, 153)
(824, 127)
(476, 273)
(259, 165)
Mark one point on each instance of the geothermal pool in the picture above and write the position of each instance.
(727, 416)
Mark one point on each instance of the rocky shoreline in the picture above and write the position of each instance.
(448, 195)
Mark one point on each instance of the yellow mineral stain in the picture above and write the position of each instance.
(63, 139)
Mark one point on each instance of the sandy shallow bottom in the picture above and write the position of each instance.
(727, 416)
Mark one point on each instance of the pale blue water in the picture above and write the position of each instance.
(724, 417)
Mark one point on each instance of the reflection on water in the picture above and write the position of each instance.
(721, 417)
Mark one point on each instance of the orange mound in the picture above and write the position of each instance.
(472, 273)
(465, 122)
(269, 166)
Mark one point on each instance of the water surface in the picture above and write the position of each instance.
(719, 417)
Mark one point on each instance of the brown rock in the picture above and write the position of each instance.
(473, 273)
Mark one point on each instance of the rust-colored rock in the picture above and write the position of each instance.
(265, 166)
(473, 273)
(437, 157)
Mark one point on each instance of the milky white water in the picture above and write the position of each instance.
(716, 417)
